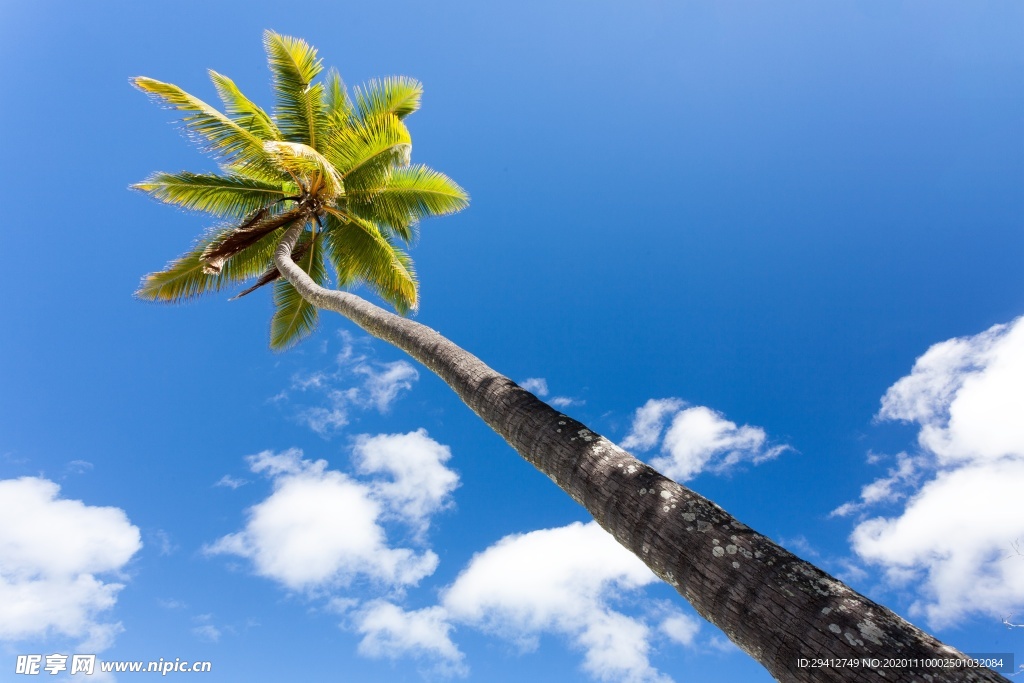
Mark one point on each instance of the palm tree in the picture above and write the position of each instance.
(328, 175)
(335, 167)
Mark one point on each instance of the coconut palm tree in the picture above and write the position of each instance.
(328, 176)
(334, 166)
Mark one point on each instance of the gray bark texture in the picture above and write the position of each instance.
(775, 606)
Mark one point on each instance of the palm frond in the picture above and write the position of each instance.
(215, 132)
(407, 195)
(366, 151)
(220, 195)
(397, 95)
(294, 317)
(234, 240)
(338, 104)
(360, 252)
(187, 277)
(304, 162)
(247, 114)
(182, 279)
(300, 107)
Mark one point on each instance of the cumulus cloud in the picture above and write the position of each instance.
(419, 483)
(966, 395)
(649, 421)
(955, 531)
(52, 550)
(353, 382)
(565, 581)
(321, 528)
(697, 439)
(392, 632)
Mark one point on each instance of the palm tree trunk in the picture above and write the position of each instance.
(786, 613)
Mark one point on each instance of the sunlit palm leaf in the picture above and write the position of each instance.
(220, 195)
(338, 105)
(300, 108)
(303, 162)
(214, 131)
(398, 95)
(244, 112)
(365, 152)
(359, 252)
(406, 195)
(186, 277)
(294, 317)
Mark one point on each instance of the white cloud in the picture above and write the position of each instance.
(385, 381)
(321, 528)
(205, 629)
(954, 533)
(231, 482)
(888, 489)
(420, 483)
(697, 439)
(966, 395)
(564, 581)
(79, 466)
(377, 386)
(51, 551)
(680, 628)
(566, 402)
(389, 631)
(649, 422)
(537, 385)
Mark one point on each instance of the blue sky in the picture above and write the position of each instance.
(722, 233)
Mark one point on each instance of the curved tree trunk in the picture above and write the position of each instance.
(796, 620)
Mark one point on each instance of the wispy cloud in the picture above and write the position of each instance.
(79, 466)
(353, 382)
(162, 540)
(230, 482)
(539, 386)
(205, 630)
(697, 439)
(52, 550)
(963, 491)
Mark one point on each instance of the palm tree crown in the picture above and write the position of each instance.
(339, 165)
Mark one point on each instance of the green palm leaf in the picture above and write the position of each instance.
(220, 195)
(397, 95)
(338, 105)
(187, 277)
(407, 195)
(214, 131)
(367, 151)
(244, 112)
(300, 102)
(294, 317)
(341, 160)
(360, 252)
